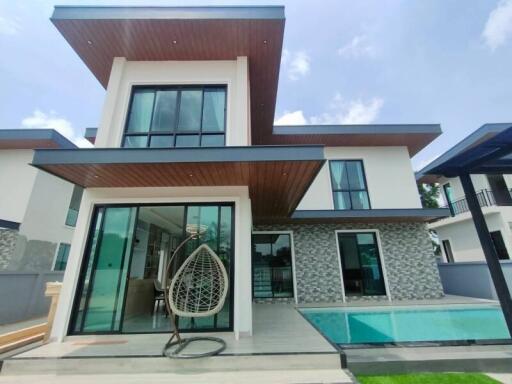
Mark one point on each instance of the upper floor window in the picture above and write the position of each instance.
(349, 185)
(176, 116)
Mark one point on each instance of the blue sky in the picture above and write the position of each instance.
(358, 61)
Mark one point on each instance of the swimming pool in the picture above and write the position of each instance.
(401, 324)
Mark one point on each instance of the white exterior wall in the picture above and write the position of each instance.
(479, 182)
(461, 233)
(242, 251)
(125, 74)
(389, 175)
(17, 183)
(47, 209)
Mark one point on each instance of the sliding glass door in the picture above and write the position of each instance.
(361, 264)
(104, 284)
(120, 287)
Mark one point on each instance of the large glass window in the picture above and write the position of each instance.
(177, 116)
(349, 185)
(272, 274)
(121, 286)
(361, 265)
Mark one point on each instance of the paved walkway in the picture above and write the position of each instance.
(246, 377)
(505, 378)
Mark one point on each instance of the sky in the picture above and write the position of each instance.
(344, 62)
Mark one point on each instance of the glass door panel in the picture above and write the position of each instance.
(217, 220)
(108, 270)
(361, 266)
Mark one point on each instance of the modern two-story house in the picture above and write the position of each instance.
(38, 211)
(301, 214)
(457, 233)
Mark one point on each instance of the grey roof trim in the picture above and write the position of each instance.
(9, 224)
(372, 213)
(90, 132)
(177, 155)
(367, 129)
(36, 134)
(169, 13)
(463, 145)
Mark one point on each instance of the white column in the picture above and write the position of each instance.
(243, 291)
(105, 131)
(71, 275)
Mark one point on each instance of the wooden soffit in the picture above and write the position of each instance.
(277, 177)
(98, 34)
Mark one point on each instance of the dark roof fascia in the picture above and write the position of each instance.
(468, 142)
(366, 129)
(178, 155)
(36, 134)
(90, 134)
(168, 13)
(372, 213)
(9, 224)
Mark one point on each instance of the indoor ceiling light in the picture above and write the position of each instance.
(89, 42)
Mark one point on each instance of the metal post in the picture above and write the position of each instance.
(500, 284)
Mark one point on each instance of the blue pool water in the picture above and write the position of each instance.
(356, 326)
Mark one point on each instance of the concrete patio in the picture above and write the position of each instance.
(284, 348)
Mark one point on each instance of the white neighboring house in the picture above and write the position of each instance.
(457, 234)
(38, 211)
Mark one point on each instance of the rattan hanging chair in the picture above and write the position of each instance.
(198, 289)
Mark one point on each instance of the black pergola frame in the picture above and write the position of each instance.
(491, 154)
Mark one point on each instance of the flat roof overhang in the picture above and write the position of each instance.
(98, 34)
(33, 138)
(413, 136)
(486, 150)
(277, 177)
(362, 215)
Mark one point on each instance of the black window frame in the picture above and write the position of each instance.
(273, 296)
(175, 132)
(448, 250)
(501, 249)
(334, 191)
(342, 260)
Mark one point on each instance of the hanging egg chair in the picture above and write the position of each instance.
(198, 289)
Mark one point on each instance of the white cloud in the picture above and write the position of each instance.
(39, 119)
(295, 64)
(338, 111)
(291, 118)
(9, 27)
(358, 47)
(498, 28)
(349, 112)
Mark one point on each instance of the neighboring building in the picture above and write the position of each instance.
(457, 234)
(304, 214)
(38, 211)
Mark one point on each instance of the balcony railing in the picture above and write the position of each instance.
(485, 197)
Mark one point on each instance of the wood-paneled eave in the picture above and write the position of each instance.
(277, 177)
